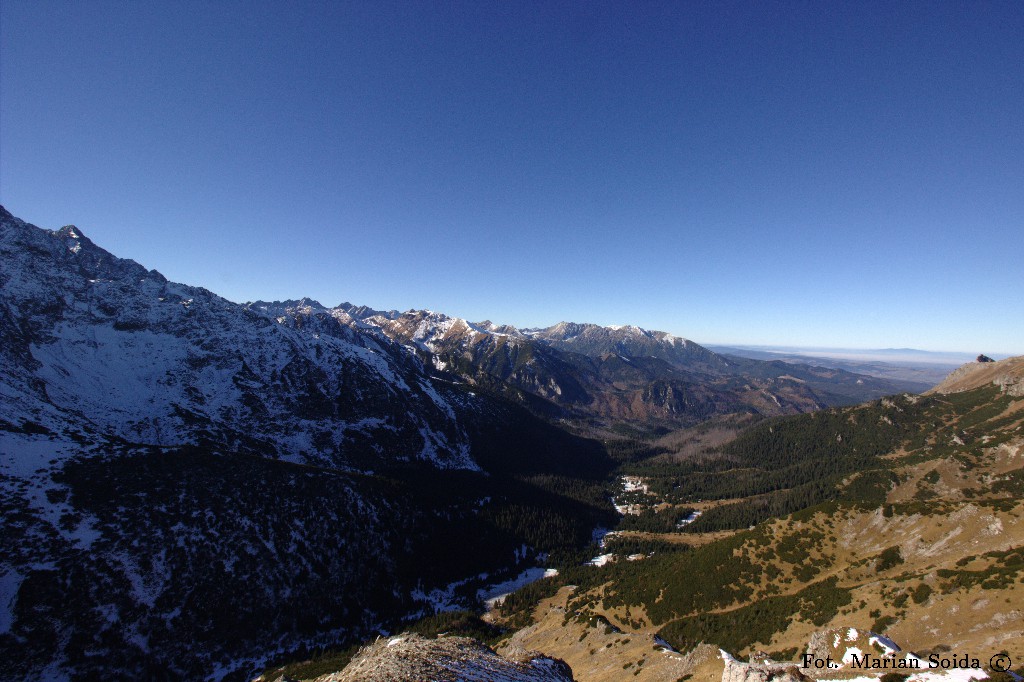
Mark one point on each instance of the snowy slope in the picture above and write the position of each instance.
(108, 343)
(157, 521)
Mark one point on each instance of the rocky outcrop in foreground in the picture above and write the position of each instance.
(412, 658)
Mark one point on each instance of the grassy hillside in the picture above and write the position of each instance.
(903, 516)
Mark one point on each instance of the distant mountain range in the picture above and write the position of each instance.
(918, 369)
(597, 378)
(900, 355)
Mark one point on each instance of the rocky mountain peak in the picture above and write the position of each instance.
(566, 330)
(1008, 374)
(276, 309)
(122, 349)
(361, 312)
(70, 231)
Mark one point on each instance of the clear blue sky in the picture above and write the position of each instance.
(815, 173)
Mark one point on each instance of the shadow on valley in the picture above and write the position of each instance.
(181, 561)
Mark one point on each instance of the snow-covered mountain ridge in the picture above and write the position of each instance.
(119, 347)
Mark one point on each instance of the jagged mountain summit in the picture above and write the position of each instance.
(630, 341)
(119, 349)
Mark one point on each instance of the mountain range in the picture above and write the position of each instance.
(192, 487)
(188, 483)
(595, 378)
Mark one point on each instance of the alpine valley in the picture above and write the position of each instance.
(192, 488)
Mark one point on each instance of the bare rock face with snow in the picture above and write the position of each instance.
(412, 658)
(111, 344)
(735, 671)
(632, 342)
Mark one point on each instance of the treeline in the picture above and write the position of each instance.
(829, 438)
(739, 628)
(628, 545)
(787, 464)
(753, 511)
(628, 450)
(549, 513)
(798, 462)
(651, 521)
(671, 585)
(545, 528)
(594, 493)
(469, 523)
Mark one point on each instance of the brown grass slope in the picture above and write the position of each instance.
(935, 561)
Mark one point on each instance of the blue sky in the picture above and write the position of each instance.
(812, 173)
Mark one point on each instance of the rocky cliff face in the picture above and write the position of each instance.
(632, 342)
